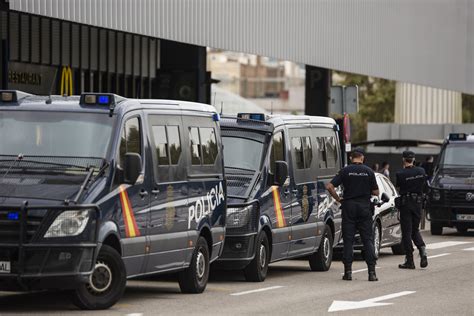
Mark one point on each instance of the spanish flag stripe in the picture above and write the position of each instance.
(131, 228)
(278, 211)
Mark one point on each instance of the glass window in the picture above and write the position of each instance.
(297, 149)
(195, 146)
(278, 150)
(208, 145)
(389, 187)
(161, 145)
(174, 144)
(331, 152)
(236, 151)
(321, 152)
(131, 138)
(307, 151)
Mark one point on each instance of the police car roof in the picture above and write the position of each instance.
(71, 104)
(300, 119)
(469, 139)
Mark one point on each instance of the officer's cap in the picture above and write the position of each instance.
(408, 154)
(359, 150)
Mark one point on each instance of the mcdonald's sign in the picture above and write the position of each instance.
(66, 81)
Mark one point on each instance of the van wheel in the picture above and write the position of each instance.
(257, 269)
(321, 260)
(461, 229)
(106, 283)
(398, 249)
(194, 278)
(436, 228)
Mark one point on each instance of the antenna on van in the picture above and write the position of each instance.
(50, 100)
(214, 101)
(271, 108)
(222, 107)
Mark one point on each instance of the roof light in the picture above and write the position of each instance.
(252, 116)
(457, 136)
(8, 96)
(104, 99)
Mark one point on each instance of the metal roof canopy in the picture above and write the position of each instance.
(428, 42)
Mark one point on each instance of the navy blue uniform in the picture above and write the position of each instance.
(410, 182)
(358, 181)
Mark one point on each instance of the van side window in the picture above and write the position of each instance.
(208, 145)
(321, 152)
(195, 146)
(331, 152)
(130, 141)
(167, 144)
(301, 148)
(278, 150)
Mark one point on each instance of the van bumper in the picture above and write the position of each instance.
(450, 216)
(239, 251)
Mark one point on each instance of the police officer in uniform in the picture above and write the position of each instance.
(359, 184)
(410, 182)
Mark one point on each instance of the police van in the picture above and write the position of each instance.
(278, 208)
(97, 189)
(450, 200)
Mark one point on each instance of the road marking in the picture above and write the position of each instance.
(337, 306)
(135, 314)
(360, 270)
(443, 244)
(257, 290)
(440, 255)
(469, 249)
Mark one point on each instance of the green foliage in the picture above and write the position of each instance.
(467, 108)
(376, 102)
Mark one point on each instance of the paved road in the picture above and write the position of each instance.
(446, 287)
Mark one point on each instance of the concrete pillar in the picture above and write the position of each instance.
(318, 85)
(416, 104)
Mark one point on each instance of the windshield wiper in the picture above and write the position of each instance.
(17, 159)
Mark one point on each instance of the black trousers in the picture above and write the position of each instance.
(410, 216)
(356, 216)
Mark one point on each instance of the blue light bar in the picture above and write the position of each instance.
(104, 99)
(216, 117)
(457, 136)
(13, 216)
(252, 116)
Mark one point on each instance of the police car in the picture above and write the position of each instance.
(450, 201)
(278, 208)
(386, 222)
(98, 189)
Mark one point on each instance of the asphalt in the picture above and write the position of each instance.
(446, 287)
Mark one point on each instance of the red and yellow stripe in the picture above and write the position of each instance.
(281, 222)
(131, 228)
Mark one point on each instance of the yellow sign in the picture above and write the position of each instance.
(66, 81)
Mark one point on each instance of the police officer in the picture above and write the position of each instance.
(410, 182)
(359, 184)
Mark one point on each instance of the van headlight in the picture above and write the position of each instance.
(68, 224)
(238, 217)
(436, 194)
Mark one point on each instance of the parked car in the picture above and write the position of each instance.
(387, 231)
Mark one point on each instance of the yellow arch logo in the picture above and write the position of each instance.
(66, 81)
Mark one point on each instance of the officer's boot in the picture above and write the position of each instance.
(372, 275)
(408, 264)
(424, 257)
(347, 272)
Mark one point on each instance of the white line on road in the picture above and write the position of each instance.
(135, 314)
(469, 249)
(440, 255)
(257, 290)
(360, 270)
(371, 302)
(443, 244)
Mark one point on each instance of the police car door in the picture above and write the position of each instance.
(167, 232)
(303, 220)
(279, 210)
(134, 200)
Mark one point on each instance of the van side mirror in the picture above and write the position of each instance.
(281, 173)
(132, 166)
(385, 197)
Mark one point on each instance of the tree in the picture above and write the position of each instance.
(376, 102)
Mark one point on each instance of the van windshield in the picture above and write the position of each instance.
(458, 155)
(242, 153)
(54, 134)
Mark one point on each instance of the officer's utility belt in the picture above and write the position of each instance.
(402, 200)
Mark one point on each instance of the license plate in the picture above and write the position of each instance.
(4, 266)
(465, 217)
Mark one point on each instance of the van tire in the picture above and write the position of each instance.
(321, 260)
(194, 278)
(257, 269)
(111, 270)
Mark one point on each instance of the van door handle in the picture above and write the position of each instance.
(143, 193)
